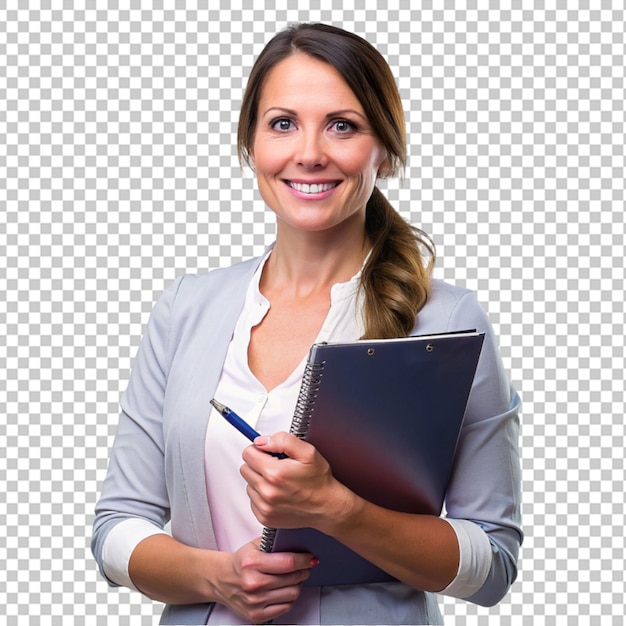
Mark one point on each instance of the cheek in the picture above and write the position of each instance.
(268, 159)
(363, 163)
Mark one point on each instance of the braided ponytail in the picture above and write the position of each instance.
(395, 280)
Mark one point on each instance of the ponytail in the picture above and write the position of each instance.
(395, 281)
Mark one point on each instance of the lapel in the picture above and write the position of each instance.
(204, 315)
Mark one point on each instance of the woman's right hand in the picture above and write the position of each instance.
(260, 586)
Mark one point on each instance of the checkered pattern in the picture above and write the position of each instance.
(118, 172)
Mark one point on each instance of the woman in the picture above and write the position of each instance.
(321, 120)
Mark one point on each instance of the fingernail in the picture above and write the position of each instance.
(262, 441)
(315, 562)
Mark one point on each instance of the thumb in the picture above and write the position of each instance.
(283, 445)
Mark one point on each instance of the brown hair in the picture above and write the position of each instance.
(395, 280)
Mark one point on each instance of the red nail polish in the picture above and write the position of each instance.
(315, 562)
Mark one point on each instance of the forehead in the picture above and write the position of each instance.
(303, 79)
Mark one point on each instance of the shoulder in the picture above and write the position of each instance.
(224, 280)
(449, 308)
(190, 290)
(447, 295)
(193, 300)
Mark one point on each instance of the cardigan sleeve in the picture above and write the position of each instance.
(135, 484)
(485, 485)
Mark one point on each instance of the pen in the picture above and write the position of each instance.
(241, 425)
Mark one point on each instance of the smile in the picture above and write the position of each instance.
(312, 188)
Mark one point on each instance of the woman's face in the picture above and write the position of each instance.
(314, 151)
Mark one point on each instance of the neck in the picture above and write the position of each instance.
(305, 264)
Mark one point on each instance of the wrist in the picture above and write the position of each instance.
(169, 571)
(208, 568)
(343, 510)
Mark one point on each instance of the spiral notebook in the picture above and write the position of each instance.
(386, 414)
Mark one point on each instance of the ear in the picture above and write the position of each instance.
(250, 160)
(384, 169)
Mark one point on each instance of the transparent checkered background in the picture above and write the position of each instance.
(118, 172)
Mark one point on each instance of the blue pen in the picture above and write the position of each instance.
(241, 425)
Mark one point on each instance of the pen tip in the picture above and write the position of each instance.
(218, 405)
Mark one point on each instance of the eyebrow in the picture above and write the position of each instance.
(329, 116)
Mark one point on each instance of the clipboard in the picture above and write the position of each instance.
(386, 414)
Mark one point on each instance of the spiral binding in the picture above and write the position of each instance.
(267, 539)
(306, 399)
(299, 425)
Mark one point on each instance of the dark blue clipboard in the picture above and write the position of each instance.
(387, 415)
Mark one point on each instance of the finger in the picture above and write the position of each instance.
(255, 471)
(285, 443)
(278, 602)
(288, 563)
(260, 459)
(280, 582)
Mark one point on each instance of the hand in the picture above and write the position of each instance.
(295, 492)
(259, 586)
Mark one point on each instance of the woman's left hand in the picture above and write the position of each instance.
(294, 492)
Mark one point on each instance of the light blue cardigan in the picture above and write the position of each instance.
(157, 464)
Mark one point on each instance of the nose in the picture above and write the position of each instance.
(311, 150)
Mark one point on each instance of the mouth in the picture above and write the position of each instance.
(311, 188)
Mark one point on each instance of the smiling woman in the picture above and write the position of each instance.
(396, 279)
(316, 163)
(321, 121)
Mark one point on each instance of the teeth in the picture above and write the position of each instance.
(314, 188)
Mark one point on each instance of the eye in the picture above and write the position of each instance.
(343, 127)
(281, 124)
